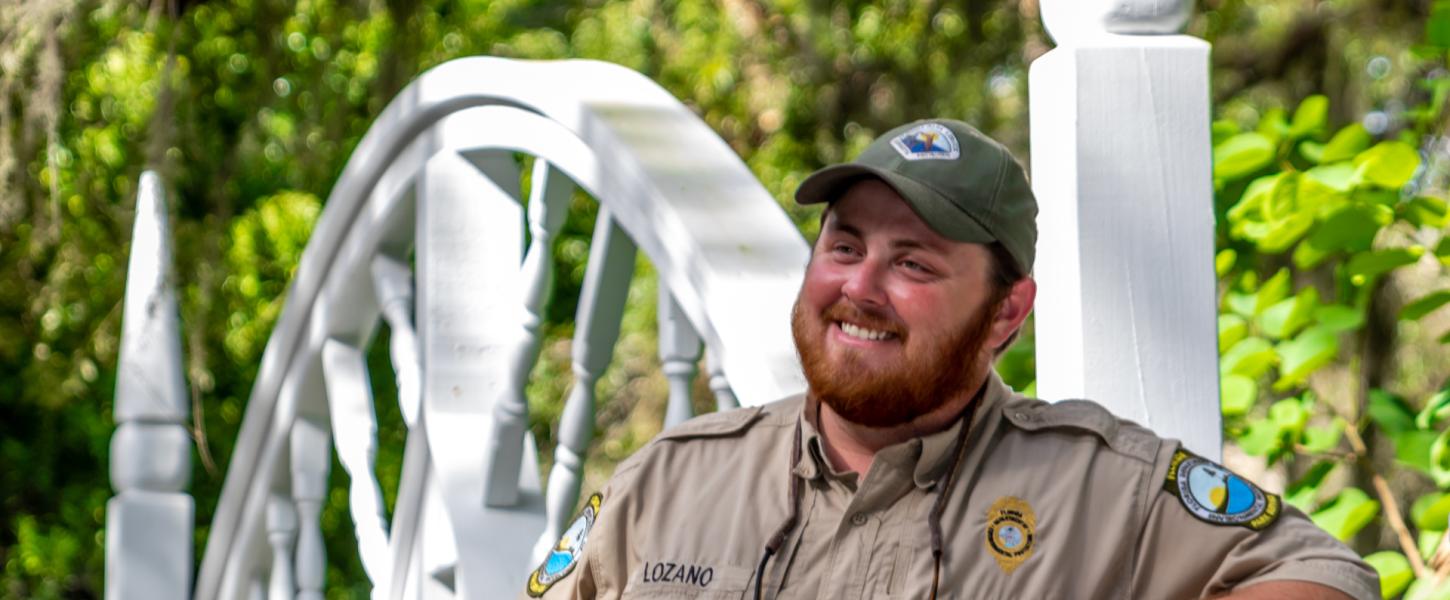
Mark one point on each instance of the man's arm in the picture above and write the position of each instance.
(1286, 590)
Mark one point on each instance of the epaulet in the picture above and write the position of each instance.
(721, 424)
(1124, 437)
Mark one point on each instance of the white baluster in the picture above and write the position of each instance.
(281, 532)
(311, 460)
(724, 396)
(601, 305)
(548, 205)
(149, 521)
(393, 284)
(1120, 165)
(257, 587)
(350, 404)
(679, 354)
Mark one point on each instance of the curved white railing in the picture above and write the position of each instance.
(436, 174)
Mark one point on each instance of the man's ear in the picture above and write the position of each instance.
(1012, 311)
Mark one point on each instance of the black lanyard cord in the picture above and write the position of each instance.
(778, 539)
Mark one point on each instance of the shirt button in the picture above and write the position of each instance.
(858, 519)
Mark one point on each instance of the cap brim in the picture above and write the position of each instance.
(939, 213)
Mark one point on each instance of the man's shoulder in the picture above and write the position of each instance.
(740, 431)
(1078, 418)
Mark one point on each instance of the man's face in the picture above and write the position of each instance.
(892, 319)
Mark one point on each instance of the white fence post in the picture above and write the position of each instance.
(1121, 167)
(149, 522)
(679, 353)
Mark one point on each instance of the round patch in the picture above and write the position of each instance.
(928, 141)
(1011, 532)
(1216, 495)
(565, 554)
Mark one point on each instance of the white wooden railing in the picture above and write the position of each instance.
(425, 233)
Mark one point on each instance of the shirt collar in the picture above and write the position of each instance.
(930, 454)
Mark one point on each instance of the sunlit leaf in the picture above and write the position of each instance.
(1394, 571)
(1428, 589)
(1351, 229)
(1346, 143)
(1325, 438)
(1338, 177)
(1364, 267)
(1426, 211)
(1303, 355)
(1273, 290)
(1346, 514)
(1390, 412)
(1288, 316)
(1251, 357)
(1388, 164)
(1437, 407)
(1241, 155)
(1338, 318)
(1301, 494)
(1413, 447)
(1224, 261)
(1431, 511)
(1231, 329)
(1440, 460)
(1262, 438)
(1238, 394)
(1310, 117)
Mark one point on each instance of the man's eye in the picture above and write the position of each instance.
(915, 266)
(844, 249)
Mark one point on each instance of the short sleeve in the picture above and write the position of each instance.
(1206, 534)
(586, 562)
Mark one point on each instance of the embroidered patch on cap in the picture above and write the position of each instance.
(928, 141)
(1215, 495)
(565, 554)
(1011, 532)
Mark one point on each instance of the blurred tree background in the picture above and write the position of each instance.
(249, 110)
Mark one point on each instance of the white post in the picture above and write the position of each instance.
(1121, 169)
(724, 396)
(350, 406)
(311, 461)
(281, 533)
(601, 305)
(149, 521)
(393, 284)
(679, 353)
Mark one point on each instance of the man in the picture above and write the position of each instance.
(908, 470)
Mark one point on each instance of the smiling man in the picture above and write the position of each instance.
(908, 469)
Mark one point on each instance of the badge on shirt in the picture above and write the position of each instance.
(1215, 495)
(565, 554)
(1011, 532)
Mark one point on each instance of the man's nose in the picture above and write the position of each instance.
(864, 285)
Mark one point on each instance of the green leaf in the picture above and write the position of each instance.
(1428, 541)
(1237, 394)
(1224, 261)
(1427, 589)
(1301, 493)
(1242, 155)
(1303, 355)
(1310, 117)
(1275, 289)
(1413, 447)
(1282, 234)
(1251, 357)
(1338, 318)
(1394, 570)
(1390, 412)
(1442, 251)
(1318, 198)
(1231, 329)
(1346, 143)
(1425, 305)
(1312, 151)
(1364, 267)
(1338, 177)
(1274, 125)
(1324, 439)
(1223, 129)
(1262, 438)
(1388, 164)
(1440, 460)
(1346, 514)
(1352, 228)
(1250, 207)
(1426, 211)
(1437, 407)
(1431, 511)
(1437, 27)
(1240, 304)
(1288, 316)
(1289, 416)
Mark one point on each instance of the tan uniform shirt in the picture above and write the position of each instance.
(1050, 501)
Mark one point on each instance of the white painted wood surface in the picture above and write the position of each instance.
(150, 520)
(1121, 169)
(679, 353)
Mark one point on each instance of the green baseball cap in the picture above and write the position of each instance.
(965, 185)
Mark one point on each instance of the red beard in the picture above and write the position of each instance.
(930, 371)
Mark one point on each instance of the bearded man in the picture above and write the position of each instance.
(908, 469)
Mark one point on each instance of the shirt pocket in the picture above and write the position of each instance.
(687, 580)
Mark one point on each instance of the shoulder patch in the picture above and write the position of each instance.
(565, 554)
(720, 424)
(1213, 494)
(1125, 437)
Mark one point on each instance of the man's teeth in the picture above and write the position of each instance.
(863, 333)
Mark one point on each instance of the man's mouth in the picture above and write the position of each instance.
(864, 334)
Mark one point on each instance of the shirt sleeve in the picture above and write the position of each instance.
(1181, 555)
(597, 570)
